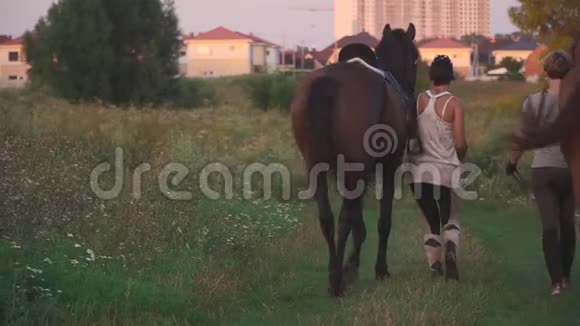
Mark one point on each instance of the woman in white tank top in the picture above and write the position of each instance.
(440, 119)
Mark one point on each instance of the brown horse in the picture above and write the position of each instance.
(331, 114)
(565, 129)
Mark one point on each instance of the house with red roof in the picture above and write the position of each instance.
(13, 65)
(459, 53)
(224, 52)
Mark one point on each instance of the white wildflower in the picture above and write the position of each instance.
(91, 254)
(34, 270)
(70, 235)
(77, 245)
(47, 260)
(13, 245)
(59, 291)
(74, 262)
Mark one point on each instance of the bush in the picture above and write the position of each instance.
(282, 90)
(194, 93)
(270, 91)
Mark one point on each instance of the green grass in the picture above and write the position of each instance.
(239, 262)
(282, 284)
(513, 235)
(503, 281)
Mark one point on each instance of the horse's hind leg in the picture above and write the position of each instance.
(326, 219)
(351, 219)
(359, 234)
(385, 221)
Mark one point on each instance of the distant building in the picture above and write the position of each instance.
(223, 52)
(488, 46)
(459, 53)
(330, 54)
(432, 18)
(518, 50)
(13, 66)
(299, 60)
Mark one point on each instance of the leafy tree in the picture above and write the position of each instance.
(69, 50)
(119, 51)
(511, 64)
(527, 36)
(553, 20)
(473, 38)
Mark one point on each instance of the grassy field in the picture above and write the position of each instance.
(69, 257)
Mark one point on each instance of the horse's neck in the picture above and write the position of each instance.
(573, 158)
(570, 90)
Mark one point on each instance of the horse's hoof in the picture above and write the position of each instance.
(350, 274)
(382, 273)
(336, 292)
(337, 285)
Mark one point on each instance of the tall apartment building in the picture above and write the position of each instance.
(433, 18)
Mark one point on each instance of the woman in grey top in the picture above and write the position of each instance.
(552, 181)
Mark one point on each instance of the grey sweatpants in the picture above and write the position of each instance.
(555, 198)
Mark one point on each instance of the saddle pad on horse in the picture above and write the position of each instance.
(386, 75)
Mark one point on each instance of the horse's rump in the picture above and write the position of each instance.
(334, 109)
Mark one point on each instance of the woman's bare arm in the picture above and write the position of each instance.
(459, 128)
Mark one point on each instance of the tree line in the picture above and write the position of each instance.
(127, 51)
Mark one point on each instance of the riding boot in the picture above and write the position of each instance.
(451, 233)
(432, 245)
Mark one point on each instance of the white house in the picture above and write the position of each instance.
(223, 52)
(460, 54)
(13, 66)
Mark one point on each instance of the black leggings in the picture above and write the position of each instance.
(435, 203)
(555, 199)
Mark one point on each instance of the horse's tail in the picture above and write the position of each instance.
(321, 101)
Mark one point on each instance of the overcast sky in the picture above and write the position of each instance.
(271, 19)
